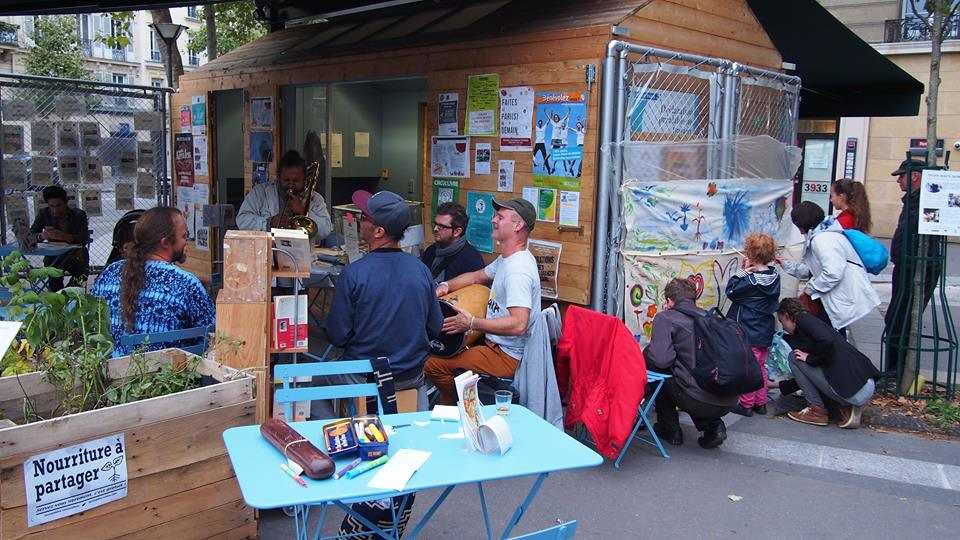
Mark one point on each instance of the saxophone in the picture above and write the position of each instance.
(303, 222)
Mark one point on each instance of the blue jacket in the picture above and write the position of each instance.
(755, 297)
(385, 304)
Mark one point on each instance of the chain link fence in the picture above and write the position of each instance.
(104, 143)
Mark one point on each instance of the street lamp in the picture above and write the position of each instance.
(169, 32)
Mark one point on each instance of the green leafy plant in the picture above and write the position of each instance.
(945, 415)
(142, 382)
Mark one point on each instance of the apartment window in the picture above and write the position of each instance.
(120, 78)
(156, 83)
(192, 12)
(155, 55)
(194, 59)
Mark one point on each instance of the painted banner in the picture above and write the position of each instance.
(480, 226)
(183, 159)
(561, 126)
(483, 96)
(516, 118)
(693, 215)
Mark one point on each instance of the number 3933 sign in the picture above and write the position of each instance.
(75, 479)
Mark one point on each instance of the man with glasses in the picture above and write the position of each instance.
(450, 255)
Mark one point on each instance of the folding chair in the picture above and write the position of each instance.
(173, 336)
(286, 374)
(657, 379)
(563, 531)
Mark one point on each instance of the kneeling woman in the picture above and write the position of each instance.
(825, 366)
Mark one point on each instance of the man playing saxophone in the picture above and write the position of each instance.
(274, 204)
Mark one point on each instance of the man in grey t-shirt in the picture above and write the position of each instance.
(514, 283)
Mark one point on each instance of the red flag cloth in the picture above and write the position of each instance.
(604, 377)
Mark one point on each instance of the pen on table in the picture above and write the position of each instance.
(290, 473)
(347, 468)
(367, 466)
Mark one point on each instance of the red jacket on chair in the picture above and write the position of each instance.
(605, 376)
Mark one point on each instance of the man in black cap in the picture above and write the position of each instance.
(514, 283)
(385, 303)
(905, 238)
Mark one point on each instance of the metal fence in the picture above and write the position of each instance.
(660, 96)
(105, 143)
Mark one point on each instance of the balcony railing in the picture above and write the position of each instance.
(119, 54)
(87, 47)
(8, 37)
(914, 29)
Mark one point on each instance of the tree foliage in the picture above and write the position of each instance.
(123, 20)
(56, 50)
(236, 25)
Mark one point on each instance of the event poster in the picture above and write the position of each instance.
(261, 113)
(67, 138)
(547, 204)
(12, 139)
(261, 146)
(91, 203)
(505, 168)
(261, 174)
(146, 186)
(185, 205)
(185, 122)
(69, 168)
(447, 103)
(15, 174)
(547, 255)
(482, 156)
(940, 203)
(336, 150)
(127, 162)
(450, 157)
(560, 126)
(41, 137)
(199, 154)
(483, 96)
(42, 171)
(664, 111)
(516, 119)
(693, 215)
(480, 226)
(569, 208)
(198, 111)
(445, 190)
(201, 197)
(92, 170)
(124, 196)
(89, 134)
(183, 159)
(146, 155)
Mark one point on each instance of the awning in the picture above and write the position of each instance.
(841, 74)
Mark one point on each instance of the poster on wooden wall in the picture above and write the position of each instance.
(516, 119)
(261, 113)
(547, 255)
(447, 103)
(483, 96)
(450, 157)
(561, 125)
(183, 159)
(185, 122)
(481, 160)
(445, 190)
(480, 226)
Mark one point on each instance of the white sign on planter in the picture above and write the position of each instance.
(75, 479)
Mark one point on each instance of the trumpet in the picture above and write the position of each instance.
(303, 222)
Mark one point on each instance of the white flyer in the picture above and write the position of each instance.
(12, 139)
(336, 150)
(8, 331)
(200, 155)
(532, 195)
(505, 169)
(41, 137)
(15, 174)
(127, 163)
(89, 134)
(92, 170)
(516, 119)
(483, 153)
(447, 103)
(146, 186)
(74, 479)
(42, 173)
(123, 196)
(147, 121)
(91, 202)
(361, 144)
(185, 205)
(940, 203)
(351, 237)
(570, 208)
(146, 155)
(67, 138)
(449, 157)
(201, 197)
(69, 169)
(397, 472)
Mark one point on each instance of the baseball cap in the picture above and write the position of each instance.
(916, 163)
(385, 208)
(521, 206)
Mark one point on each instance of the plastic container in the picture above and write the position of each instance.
(371, 449)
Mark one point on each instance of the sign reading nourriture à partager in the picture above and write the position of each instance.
(74, 479)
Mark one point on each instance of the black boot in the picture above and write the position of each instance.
(714, 436)
(741, 410)
(673, 436)
(761, 409)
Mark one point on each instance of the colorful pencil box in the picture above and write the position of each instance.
(374, 442)
(340, 438)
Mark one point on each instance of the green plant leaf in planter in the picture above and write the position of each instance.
(53, 272)
(52, 299)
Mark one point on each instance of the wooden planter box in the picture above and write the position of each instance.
(179, 480)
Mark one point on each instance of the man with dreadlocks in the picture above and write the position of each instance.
(146, 292)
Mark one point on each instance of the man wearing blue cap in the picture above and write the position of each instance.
(385, 303)
(514, 282)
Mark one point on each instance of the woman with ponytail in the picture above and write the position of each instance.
(850, 197)
(146, 292)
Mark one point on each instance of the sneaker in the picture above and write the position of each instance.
(813, 415)
(712, 438)
(851, 418)
(741, 410)
(672, 436)
(761, 409)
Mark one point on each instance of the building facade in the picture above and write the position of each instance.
(868, 149)
(140, 62)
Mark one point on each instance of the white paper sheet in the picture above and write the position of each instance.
(8, 331)
(399, 469)
(446, 412)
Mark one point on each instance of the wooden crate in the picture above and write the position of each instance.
(179, 480)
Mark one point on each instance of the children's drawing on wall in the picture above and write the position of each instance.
(560, 127)
(701, 215)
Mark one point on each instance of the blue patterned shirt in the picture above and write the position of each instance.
(171, 299)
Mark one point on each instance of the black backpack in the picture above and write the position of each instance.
(725, 365)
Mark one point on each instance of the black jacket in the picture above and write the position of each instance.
(755, 297)
(845, 368)
(467, 260)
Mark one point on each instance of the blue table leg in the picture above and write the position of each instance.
(486, 514)
(433, 508)
(363, 519)
(518, 514)
(320, 520)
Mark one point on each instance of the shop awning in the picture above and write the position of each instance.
(842, 75)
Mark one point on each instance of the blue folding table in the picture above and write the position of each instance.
(538, 449)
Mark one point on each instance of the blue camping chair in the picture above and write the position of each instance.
(563, 531)
(173, 336)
